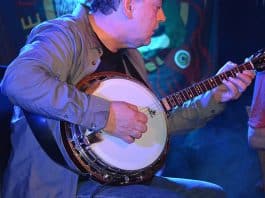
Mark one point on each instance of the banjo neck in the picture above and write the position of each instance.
(178, 98)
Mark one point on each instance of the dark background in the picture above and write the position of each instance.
(213, 33)
(219, 152)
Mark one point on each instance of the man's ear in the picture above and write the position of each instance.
(128, 8)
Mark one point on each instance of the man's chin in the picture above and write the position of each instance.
(147, 42)
(143, 43)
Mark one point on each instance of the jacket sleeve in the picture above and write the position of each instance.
(194, 114)
(39, 79)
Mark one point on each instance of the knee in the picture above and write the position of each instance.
(203, 189)
(210, 190)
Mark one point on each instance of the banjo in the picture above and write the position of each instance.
(109, 159)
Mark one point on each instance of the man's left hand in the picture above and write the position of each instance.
(233, 87)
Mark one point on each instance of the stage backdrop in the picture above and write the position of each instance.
(17, 18)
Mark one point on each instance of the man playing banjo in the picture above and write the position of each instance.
(99, 36)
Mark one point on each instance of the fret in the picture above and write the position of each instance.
(174, 101)
(222, 76)
(211, 83)
(244, 67)
(183, 95)
(198, 89)
(191, 94)
(208, 84)
(218, 80)
(237, 69)
(172, 96)
(202, 86)
(232, 74)
(249, 65)
(178, 98)
(187, 93)
(193, 90)
(215, 82)
(229, 74)
(226, 75)
(170, 101)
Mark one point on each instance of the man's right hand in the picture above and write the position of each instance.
(126, 121)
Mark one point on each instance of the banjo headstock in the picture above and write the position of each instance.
(258, 60)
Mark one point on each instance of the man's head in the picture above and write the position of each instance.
(127, 23)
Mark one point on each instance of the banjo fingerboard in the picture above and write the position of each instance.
(177, 99)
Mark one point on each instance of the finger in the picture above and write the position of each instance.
(136, 134)
(246, 79)
(227, 66)
(239, 84)
(141, 117)
(250, 73)
(140, 127)
(128, 139)
(232, 89)
(132, 106)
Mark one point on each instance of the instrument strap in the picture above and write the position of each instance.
(132, 70)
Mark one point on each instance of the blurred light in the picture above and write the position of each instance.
(182, 59)
(158, 42)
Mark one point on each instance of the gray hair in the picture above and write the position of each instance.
(65, 6)
(104, 6)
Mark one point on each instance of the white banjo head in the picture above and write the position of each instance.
(148, 148)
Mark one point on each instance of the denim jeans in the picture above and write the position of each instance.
(157, 188)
